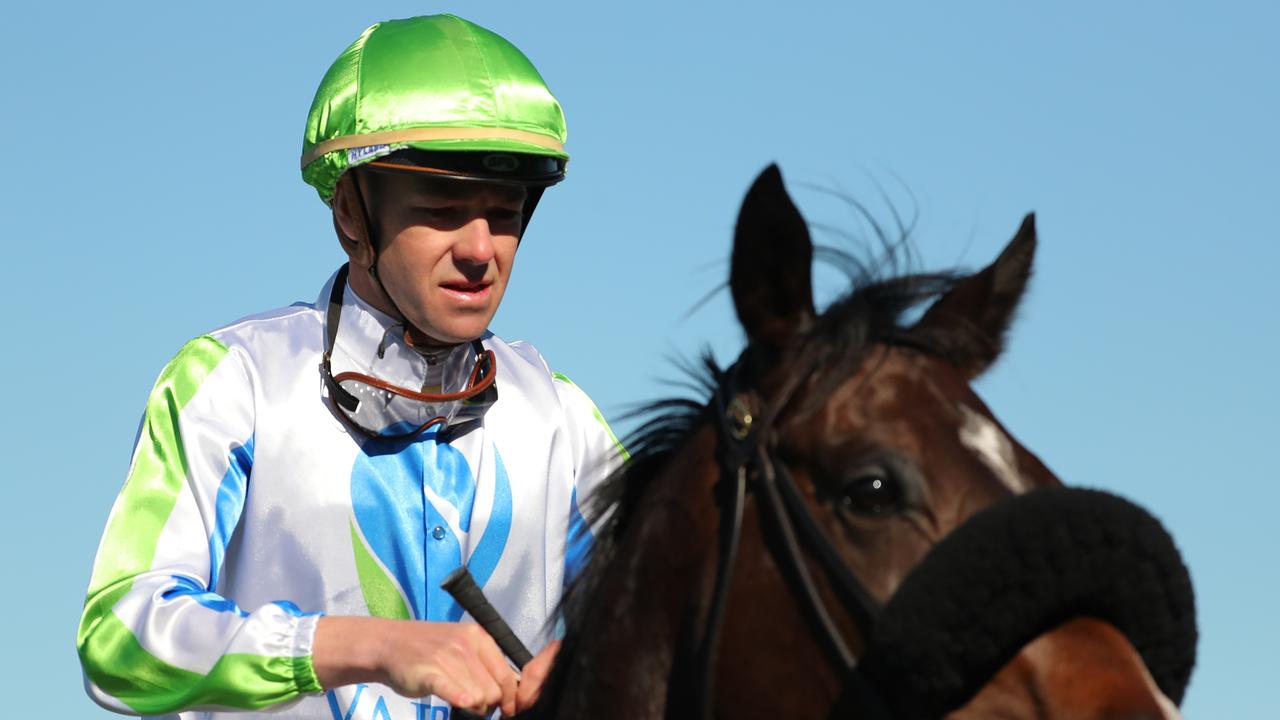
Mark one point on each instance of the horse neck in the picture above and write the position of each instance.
(1082, 668)
(640, 629)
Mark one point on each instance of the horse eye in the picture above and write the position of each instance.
(872, 493)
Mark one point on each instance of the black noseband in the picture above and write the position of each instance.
(1018, 569)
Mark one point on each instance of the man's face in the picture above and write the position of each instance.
(447, 247)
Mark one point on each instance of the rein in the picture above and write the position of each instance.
(743, 452)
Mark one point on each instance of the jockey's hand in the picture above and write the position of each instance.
(457, 662)
(533, 675)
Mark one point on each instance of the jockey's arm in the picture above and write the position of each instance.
(155, 637)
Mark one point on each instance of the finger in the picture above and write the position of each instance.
(495, 663)
(471, 653)
(534, 674)
(488, 691)
(451, 692)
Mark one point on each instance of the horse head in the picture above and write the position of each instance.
(882, 430)
(748, 553)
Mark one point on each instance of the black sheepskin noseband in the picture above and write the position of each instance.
(1018, 569)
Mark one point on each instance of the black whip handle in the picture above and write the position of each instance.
(463, 588)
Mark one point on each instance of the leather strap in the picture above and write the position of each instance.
(745, 464)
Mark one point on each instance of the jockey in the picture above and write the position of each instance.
(304, 478)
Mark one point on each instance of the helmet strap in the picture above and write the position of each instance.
(372, 233)
(531, 198)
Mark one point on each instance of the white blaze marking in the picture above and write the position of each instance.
(993, 448)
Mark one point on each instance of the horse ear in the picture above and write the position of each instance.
(967, 325)
(770, 274)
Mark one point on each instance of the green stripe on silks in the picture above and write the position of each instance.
(622, 451)
(381, 594)
(155, 480)
(154, 687)
(159, 469)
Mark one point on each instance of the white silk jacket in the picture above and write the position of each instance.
(250, 510)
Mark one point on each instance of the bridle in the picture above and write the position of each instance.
(745, 435)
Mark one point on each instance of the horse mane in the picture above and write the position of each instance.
(873, 311)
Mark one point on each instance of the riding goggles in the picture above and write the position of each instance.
(459, 387)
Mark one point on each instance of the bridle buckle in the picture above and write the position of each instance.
(739, 418)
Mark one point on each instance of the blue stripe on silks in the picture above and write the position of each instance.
(448, 474)
(186, 587)
(577, 543)
(228, 504)
(444, 557)
(450, 478)
(390, 508)
(446, 554)
(484, 559)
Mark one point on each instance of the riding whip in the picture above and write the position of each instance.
(464, 589)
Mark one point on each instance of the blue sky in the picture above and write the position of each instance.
(153, 194)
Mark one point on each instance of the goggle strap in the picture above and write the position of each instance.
(344, 399)
(335, 309)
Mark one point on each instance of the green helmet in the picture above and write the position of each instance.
(436, 94)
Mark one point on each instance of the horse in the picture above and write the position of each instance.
(840, 527)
